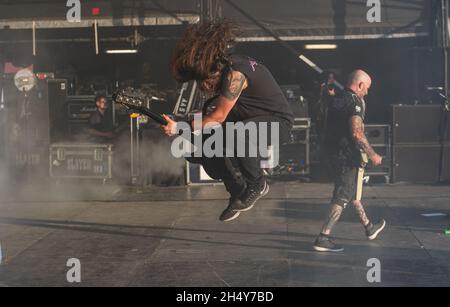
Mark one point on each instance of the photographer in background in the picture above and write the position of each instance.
(326, 95)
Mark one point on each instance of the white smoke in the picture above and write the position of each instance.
(3, 180)
(162, 166)
(157, 163)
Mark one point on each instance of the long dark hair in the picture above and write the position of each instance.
(203, 49)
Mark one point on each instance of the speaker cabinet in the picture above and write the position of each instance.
(419, 124)
(33, 119)
(196, 175)
(385, 167)
(420, 163)
(56, 94)
(378, 135)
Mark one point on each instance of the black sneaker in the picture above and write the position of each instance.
(325, 244)
(251, 196)
(372, 230)
(230, 213)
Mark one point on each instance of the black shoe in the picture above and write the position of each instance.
(325, 244)
(230, 213)
(251, 196)
(372, 230)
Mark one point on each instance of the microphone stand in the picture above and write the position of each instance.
(24, 117)
(444, 20)
(3, 135)
(443, 133)
(446, 104)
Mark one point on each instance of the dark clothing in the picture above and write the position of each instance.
(223, 168)
(341, 147)
(345, 183)
(261, 102)
(344, 153)
(238, 172)
(102, 123)
(262, 96)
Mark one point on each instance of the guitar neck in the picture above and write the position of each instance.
(156, 117)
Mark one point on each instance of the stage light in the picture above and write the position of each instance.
(121, 51)
(320, 46)
(24, 80)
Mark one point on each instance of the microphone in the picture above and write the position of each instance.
(438, 88)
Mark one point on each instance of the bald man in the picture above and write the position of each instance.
(349, 151)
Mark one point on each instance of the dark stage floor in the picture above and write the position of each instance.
(172, 237)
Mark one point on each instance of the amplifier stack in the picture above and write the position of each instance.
(416, 144)
(379, 136)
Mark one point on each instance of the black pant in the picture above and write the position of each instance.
(239, 172)
(347, 180)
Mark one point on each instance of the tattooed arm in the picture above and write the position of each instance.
(233, 84)
(357, 129)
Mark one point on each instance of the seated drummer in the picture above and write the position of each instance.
(101, 127)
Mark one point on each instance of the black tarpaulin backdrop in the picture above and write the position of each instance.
(328, 19)
(293, 19)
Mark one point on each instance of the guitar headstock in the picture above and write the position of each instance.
(129, 99)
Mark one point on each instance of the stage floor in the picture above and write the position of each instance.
(172, 237)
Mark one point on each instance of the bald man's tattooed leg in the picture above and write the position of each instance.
(361, 213)
(333, 217)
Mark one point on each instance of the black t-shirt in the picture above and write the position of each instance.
(340, 144)
(262, 96)
(101, 122)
